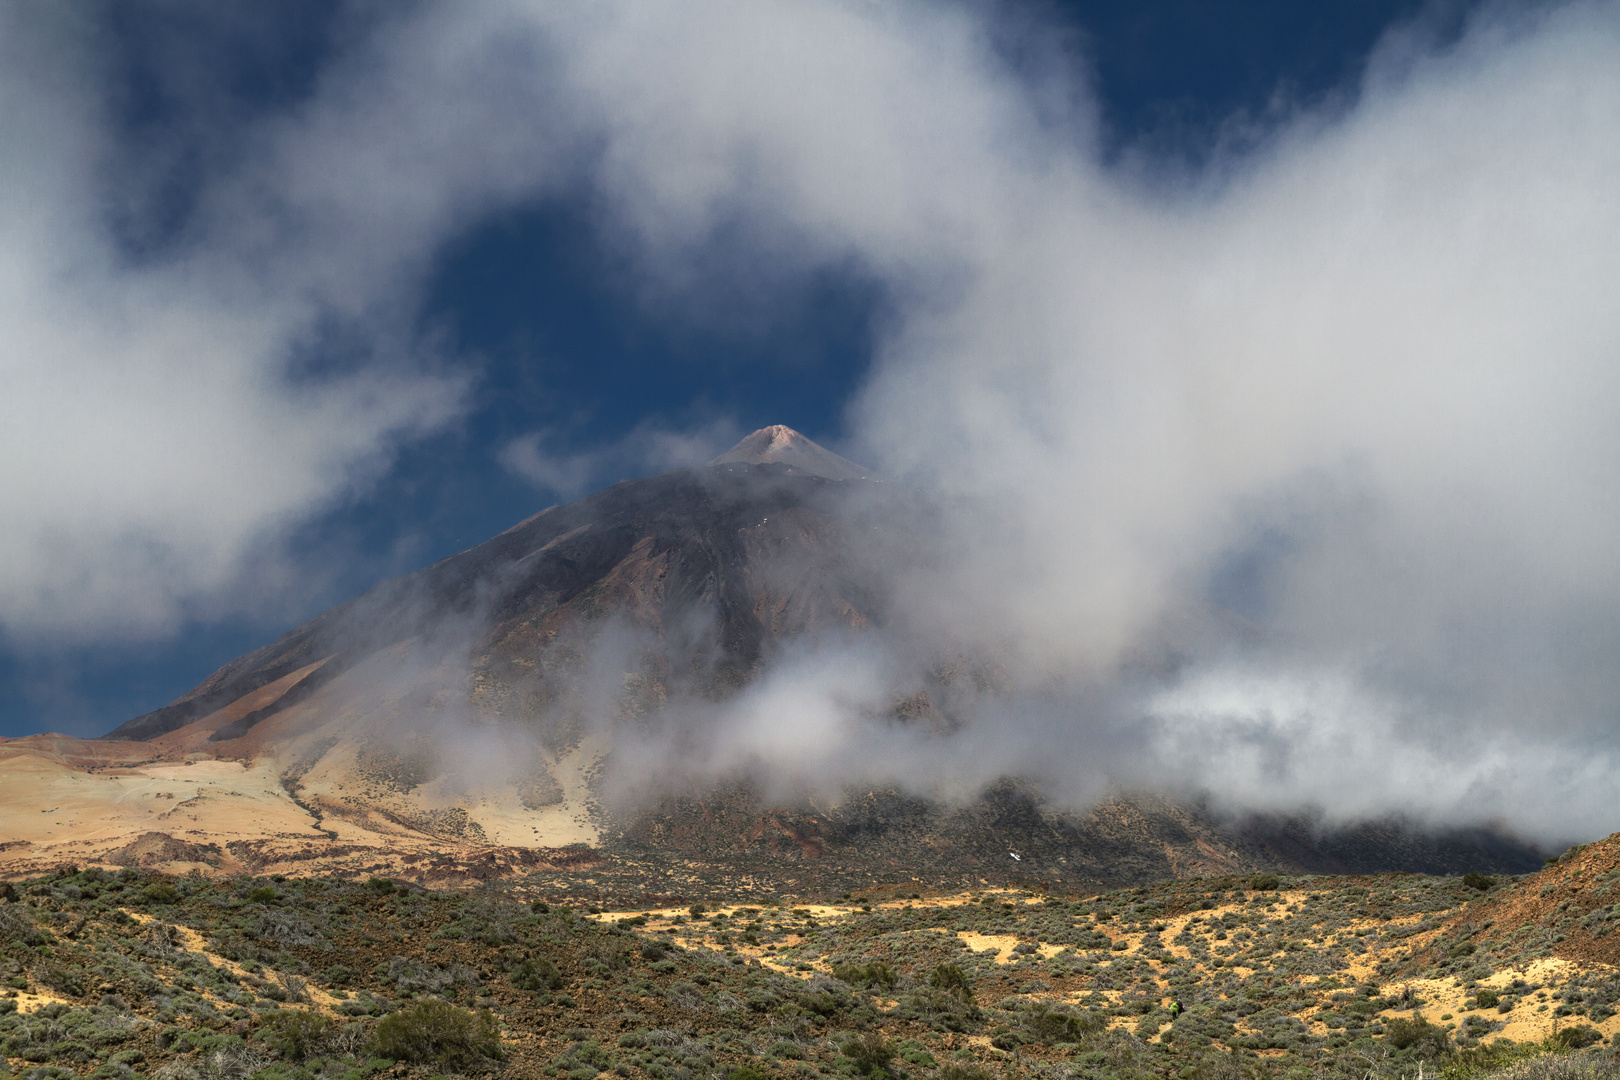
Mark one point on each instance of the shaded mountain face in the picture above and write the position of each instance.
(465, 721)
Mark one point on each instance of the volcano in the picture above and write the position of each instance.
(776, 538)
(459, 723)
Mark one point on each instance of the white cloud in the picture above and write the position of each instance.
(1383, 342)
(155, 447)
(647, 449)
(1281, 740)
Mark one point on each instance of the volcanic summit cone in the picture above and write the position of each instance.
(782, 445)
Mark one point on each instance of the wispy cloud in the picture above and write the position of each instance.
(647, 449)
(158, 433)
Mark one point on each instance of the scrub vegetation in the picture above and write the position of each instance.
(135, 974)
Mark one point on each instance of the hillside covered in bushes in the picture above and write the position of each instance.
(135, 974)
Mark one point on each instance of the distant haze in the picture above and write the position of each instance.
(1351, 392)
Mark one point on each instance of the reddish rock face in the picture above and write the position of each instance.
(158, 849)
(1568, 909)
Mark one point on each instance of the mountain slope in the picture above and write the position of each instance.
(1569, 910)
(737, 554)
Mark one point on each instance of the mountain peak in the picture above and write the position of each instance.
(780, 444)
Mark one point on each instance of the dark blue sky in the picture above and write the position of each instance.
(536, 303)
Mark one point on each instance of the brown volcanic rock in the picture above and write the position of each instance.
(156, 850)
(1571, 908)
(1128, 839)
(1370, 847)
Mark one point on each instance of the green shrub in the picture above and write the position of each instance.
(1574, 1038)
(540, 974)
(940, 1010)
(17, 924)
(1417, 1034)
(437, 1032)
(748, 1072)
(1265, 882)
(960, 1070)
(61, 978)
(380, 885)
(877, 973)
(586, 1054)
(1488, 1059)
(1048, 1025)
(160, 892)
(870, 1053)
(912, 1052)
(1478, 881)
(264, 894)
(1561, 1067)
(1486, 999)
(951, 979)
(297, 1036)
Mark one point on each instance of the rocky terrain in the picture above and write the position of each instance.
(140, 974)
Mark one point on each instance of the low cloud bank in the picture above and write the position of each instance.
(1358, 383)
